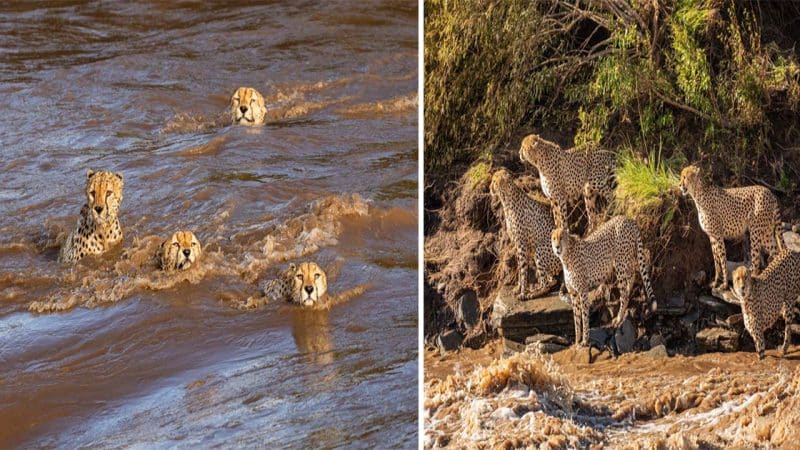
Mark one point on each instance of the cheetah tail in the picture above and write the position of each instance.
(645, 272)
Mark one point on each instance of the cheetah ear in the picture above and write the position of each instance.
(118, 175)
(89, 173)
(292, 267)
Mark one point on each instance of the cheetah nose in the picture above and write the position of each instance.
(243, 109)
(187, 252)
(309, 289)
(99, 209)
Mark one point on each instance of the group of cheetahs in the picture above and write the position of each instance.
(98, 228)
(612, 250)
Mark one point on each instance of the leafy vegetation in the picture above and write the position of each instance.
(709, 81)
(644, 187)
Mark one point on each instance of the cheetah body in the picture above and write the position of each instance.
(729, 214)
(769, 295)
(98, 226)
(614, 251)
(563, 174)
(528, 223)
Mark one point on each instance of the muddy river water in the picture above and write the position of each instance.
(110, 352)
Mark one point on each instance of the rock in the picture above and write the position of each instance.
(449, 340)
(547, 338)
(547, 343)
(510, 346)
(656, 340)
(546, 347)
(475, 340)
(516, 320)
(659, 351)
(717, 304)
(792, 239)
(735, 321)
(468, 312)
(675, 305)
(717, 340)
(625, 336)
(699, 278)
(688, 320)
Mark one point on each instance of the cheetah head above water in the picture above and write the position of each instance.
(103, 195)
(247, 107)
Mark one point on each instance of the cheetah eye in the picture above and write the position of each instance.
(300, 277)
(91, 193)
(175, 244)
(109, 193)
(316, 275)
(194, 244)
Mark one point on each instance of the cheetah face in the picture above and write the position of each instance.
(500, 180)
(531, 149)
(180, 251)
(690, 177)
(247, 107)
(559, 239)
(742, 282)
(309, 284)
(103, 195)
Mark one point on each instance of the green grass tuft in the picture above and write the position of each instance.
(643, 186)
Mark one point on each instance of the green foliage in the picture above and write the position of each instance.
(644, 186)
(478, 173)
(690, 62)
(485, 70)
(687, 77)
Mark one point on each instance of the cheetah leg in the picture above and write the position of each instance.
(523, 253)
(625, 296)
(576, 316)
(594, 213)
(788, 318)
(718, 251)
(584, 299)
(756, 245)
(544, 278)
(758, 339)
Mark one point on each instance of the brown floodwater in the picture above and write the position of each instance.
(484, 399)
(110, 352)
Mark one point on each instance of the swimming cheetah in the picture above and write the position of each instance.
(247, 107)
(563, 173)
(614, 249)
(769, 295)
(528, 223)
(180, 251)
(729, 214)
(305, 284)
(98, 226)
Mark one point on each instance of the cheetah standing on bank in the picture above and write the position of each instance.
(564, 173)
(770, 295)
(614, 249)
(528, 223)
(98, 226)
(729, 214)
